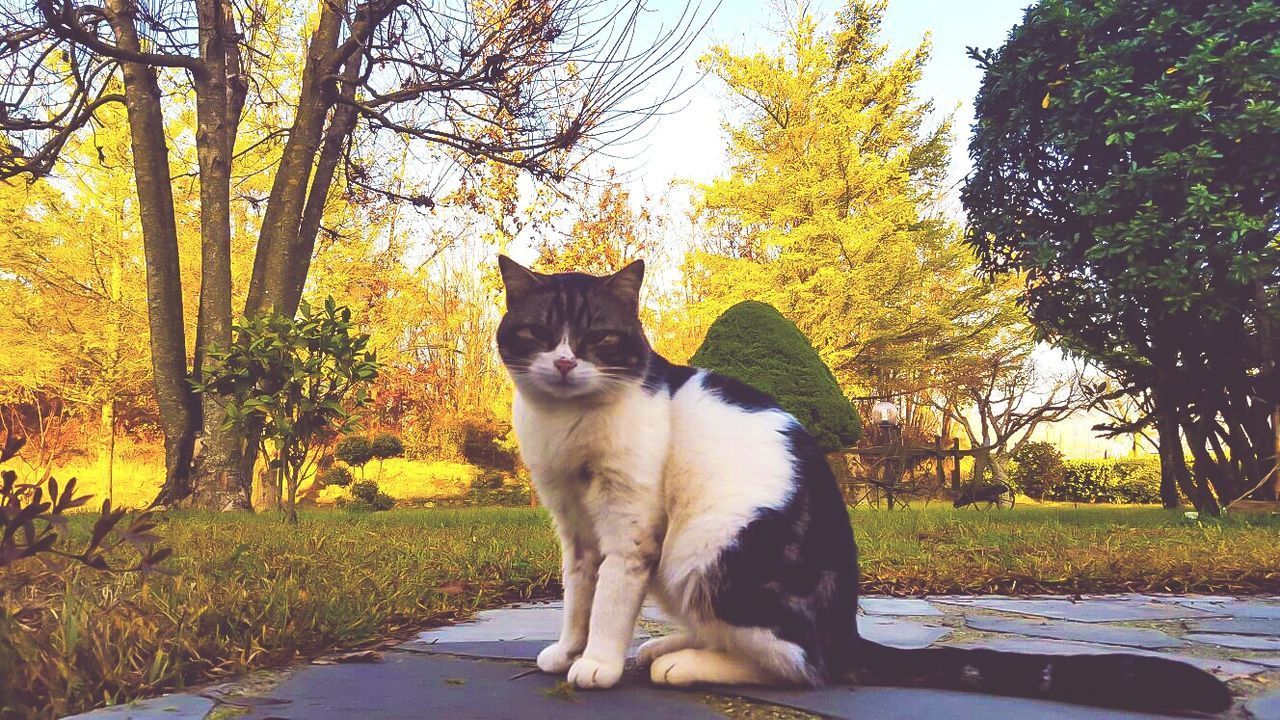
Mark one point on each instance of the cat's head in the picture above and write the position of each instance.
(571, 335)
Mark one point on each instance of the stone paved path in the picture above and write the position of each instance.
(481, 669)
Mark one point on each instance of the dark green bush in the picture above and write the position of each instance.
(336, 475)
(754, 343)
(480, 442)
(1125, 481)
(385, 445)
(366, 495)
(1036, 467)
(354, 450)
(496, 488)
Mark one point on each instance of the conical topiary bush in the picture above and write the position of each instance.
(754, 343)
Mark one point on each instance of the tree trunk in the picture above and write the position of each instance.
(219, 483)
(1169, 442)
(107, 419)
(341, 124)
(160, 249)
(1271, 490)
(107, 446)
(273, 262)
(981, 459)
(266, 491)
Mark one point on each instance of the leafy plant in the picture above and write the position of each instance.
(33, 515)
(355, 451)
(384, 446)
(296, 379)
(1037, 466)
(336, 475)
(366, 495)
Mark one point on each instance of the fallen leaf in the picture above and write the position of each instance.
(360, 656)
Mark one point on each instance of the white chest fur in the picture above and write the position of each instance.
(596, 463)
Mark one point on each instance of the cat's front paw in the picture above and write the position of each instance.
(556, 658)
(589, 673)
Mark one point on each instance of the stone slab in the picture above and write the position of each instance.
(414, 685)
(1238, 642)
(1265, 707)
(1092, 611)
(890, 703)
(538, 622)
(900, 633)
(1083, 632)
(1255, 609)
(897, 606)
(1238, 626)
(523, 650)
(166, 707)
(1224, 669)
(493, 650)
(532, 622)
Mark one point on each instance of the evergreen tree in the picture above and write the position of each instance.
(829, 211)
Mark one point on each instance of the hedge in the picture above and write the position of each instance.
(1122, 480)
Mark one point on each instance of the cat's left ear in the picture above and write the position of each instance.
(625, 284)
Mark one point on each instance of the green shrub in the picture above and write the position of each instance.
(367, 496)
(481, 443)
(1125, 481)
(355, 451)
(1036, 467)
(336, 475)
(386, 445)
(495, 488)
(754, 343)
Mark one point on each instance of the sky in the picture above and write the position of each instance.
(689, 143)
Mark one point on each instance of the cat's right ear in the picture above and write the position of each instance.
(518, 279)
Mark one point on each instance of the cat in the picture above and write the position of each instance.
(700, 491)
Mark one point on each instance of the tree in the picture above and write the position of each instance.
(533, 86)
(999, 394)
(294, 379)
(829, 212)
(386, 446)
(754, 343)
(74, 294)
(356, 451)
(1126, 159)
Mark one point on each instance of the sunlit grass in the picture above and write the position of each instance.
(250, 591)
(1060, 548)
(135, 483)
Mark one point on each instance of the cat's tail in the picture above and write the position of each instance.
(1122, 681)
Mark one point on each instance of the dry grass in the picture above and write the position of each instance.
(251, 592)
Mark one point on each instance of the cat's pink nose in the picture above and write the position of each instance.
(564, 365)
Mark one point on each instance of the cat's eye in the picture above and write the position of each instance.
(601, 337)
(529, 332)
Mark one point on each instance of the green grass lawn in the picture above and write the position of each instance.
(249, 591)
